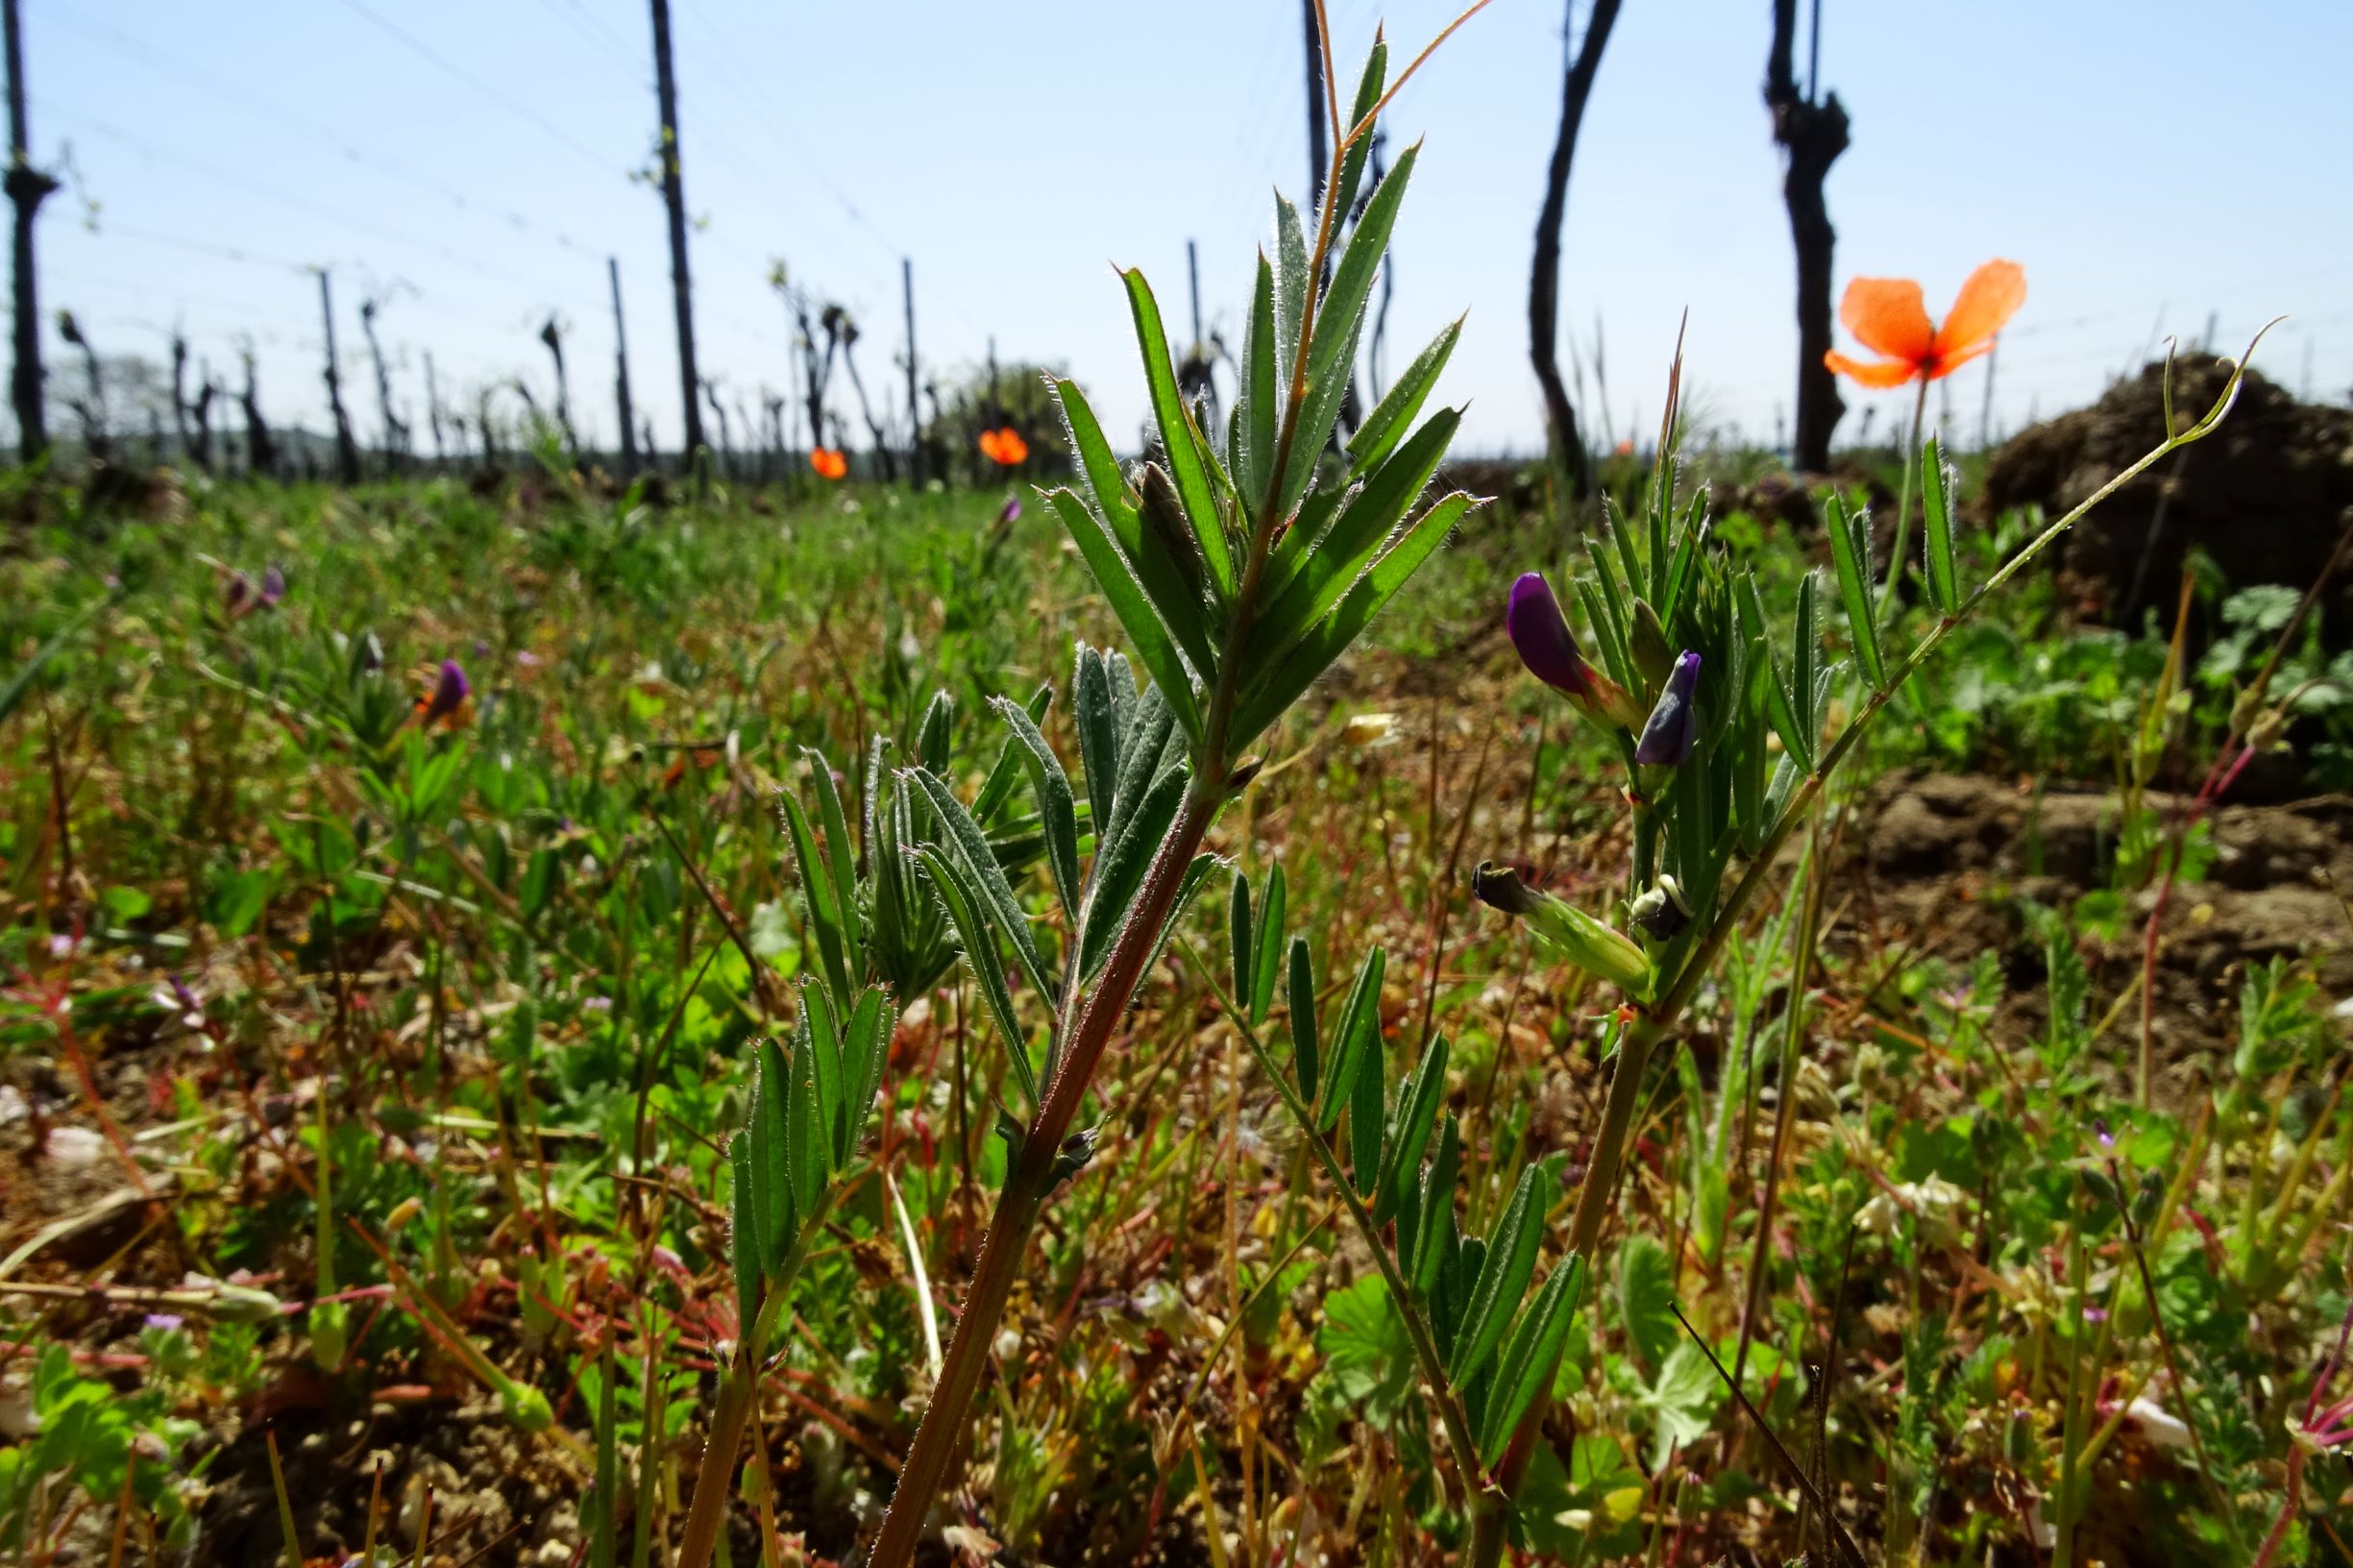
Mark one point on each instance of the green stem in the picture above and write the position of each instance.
(1451, 1413)
(1903, 504)
(1784, 1114)
(707, 1514)
(2071, 1423)
(946, 1416)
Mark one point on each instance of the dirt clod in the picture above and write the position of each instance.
(2265, 494)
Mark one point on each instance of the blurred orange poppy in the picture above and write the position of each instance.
(1004, 446)
(1886, 314)
(828, 462)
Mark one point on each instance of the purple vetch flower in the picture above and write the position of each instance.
(1540, 634)
(273, 586)
(1009, 513)
(1675, 723)
(165, 1322)
(450, 691)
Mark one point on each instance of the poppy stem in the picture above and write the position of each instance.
(1903, 504)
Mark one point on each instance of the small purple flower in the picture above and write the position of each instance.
(273, 586)
(1541, 635)
(449, 691)
(1675, 723)
(1009, 513)
(165, 1322)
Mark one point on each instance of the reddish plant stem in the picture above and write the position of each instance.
(948, 1416)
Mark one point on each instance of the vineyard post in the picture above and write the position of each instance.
(1192, 273)
(620, 373)
(347, 450)
(674, 197)
(1316, 151)
(180, 392)
(915, 421)
(433, 411)
(261, 451)
(1585, 63)
(1812, 129)
(27, 187)
(553, 335)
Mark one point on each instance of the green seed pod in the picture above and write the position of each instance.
(243, 1303)
(1585, 941)
(526, 1406)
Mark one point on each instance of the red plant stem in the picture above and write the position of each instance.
(946, 1417)
(2288, 1506)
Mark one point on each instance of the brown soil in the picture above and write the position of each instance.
(1945, 862)
(2266, 496)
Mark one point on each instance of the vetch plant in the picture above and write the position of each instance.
(1240, 571)
(1707, 788)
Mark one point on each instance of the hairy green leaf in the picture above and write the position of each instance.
(1187, 464)
(1850, 552)
(1394, 414)
(1357, 1041)
(1510, 1263)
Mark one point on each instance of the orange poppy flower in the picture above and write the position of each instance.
(1004, 446)
(1886, 314)
(828, 462)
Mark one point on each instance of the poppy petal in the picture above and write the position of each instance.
(1947, 365)
(1886, 314)
(1984, 305)
(1871, 372)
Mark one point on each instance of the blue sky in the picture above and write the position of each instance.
(2153, 164)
